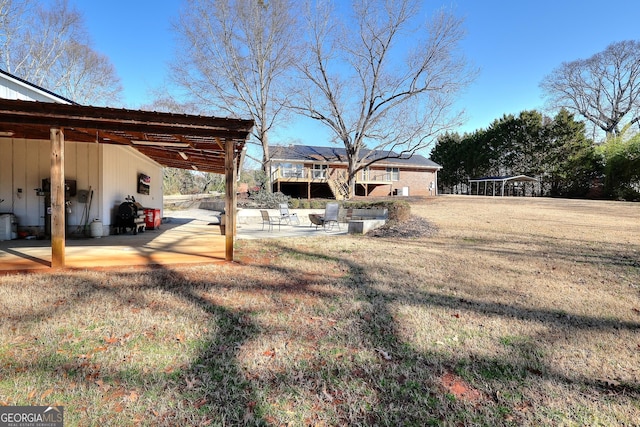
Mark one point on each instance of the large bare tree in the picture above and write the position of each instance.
(604, 89)
(51, 48)
(235, 57)
(382, 77)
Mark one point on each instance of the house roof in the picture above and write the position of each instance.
(28, 91)
(309, 153)
(173, 140)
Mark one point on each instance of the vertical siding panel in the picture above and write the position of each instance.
(20, 154)
(71, 173)
(6, 173)
(110, 171)
(43, 171)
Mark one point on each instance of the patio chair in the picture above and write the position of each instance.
(286, 216)
(269, 220)
(330, 217)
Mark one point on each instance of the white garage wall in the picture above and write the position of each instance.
(121, 166)
(25, 163)
(111, 172)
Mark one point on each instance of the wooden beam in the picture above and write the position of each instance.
(57, 199)
(121, 120)
(230, 164)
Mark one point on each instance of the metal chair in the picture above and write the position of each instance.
(269, 220)
(330, 217)
(286, 216)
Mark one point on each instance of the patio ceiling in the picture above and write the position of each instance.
(173, 140)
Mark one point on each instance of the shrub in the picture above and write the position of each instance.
(264, 199)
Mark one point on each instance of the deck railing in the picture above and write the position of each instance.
(324, 175)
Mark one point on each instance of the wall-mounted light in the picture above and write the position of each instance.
(183, 155)
(6, 133)
(194, 167)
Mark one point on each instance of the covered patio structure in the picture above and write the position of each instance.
(506, 185)
(201, 143)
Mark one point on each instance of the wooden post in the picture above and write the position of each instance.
(230, 165)
(57, 199)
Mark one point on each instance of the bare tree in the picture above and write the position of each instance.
(235, 56)
(383, 80)
(604, 89)
(86, 76)
(12, 26)
(50, 48)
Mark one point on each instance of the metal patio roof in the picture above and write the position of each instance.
(173, 140)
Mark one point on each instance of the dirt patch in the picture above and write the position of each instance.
(460, 388)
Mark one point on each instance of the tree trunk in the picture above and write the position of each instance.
(266, 168)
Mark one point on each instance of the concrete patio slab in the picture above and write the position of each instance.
(185, 237)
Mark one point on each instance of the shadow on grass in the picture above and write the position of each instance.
(212, 388)
(404, 395)
(361, 372)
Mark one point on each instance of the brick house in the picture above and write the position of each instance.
(303, 171)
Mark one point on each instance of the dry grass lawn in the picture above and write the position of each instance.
(516, 312)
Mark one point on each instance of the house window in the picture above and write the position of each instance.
(319, 171)
(393, 174)
(290, 170)
(366, 172)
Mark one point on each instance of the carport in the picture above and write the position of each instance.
(502, 181)
(202, 143)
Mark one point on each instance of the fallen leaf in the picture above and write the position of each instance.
(46, 394)
(110, 340)
(115, 394)
(133, 396)
(191, 383)
(31, 395)
(103, 387)
(270, 353)
(384, 354)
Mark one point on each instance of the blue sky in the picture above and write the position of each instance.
(513, 43)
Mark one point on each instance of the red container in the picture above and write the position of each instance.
(152, 219)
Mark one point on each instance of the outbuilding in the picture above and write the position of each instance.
(62, 164)
(507, 185)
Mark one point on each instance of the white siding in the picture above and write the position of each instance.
(25, 163)
(6, 175)
(15, 89)
(111, 172)
(121, 166)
